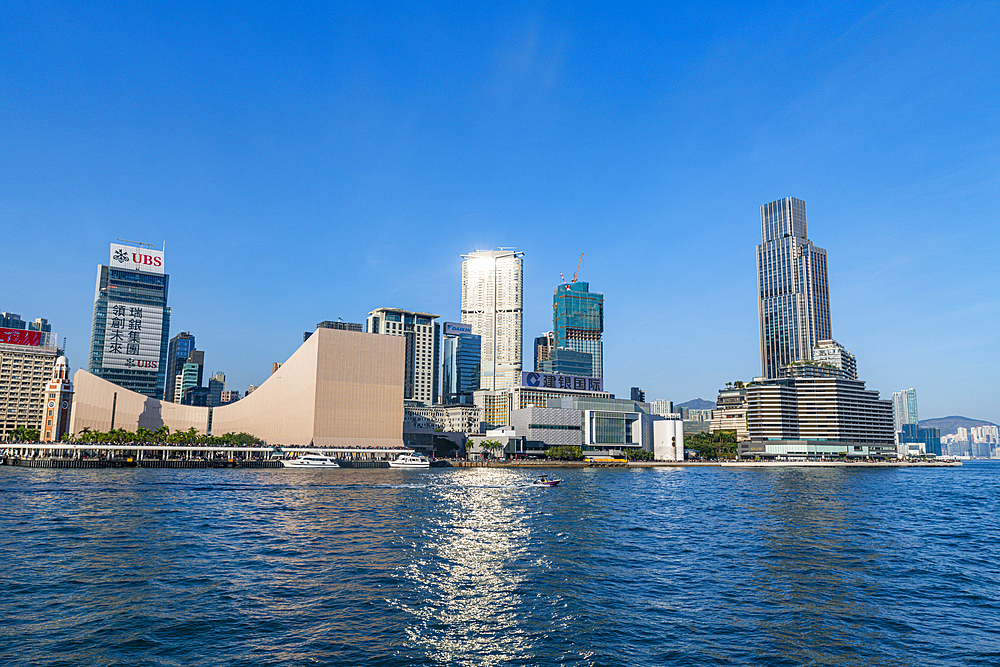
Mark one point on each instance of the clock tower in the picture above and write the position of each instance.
(58, 401)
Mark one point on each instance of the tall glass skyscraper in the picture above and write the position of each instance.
(128, 339)
(578, 322)
(793, 293)
(492, 305)
(462, 367)
(904, 409)
(178, 350)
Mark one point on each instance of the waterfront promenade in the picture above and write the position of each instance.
(89, 455)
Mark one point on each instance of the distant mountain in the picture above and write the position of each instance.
(697, 404)
(950, 425)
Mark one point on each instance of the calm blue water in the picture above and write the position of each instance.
(470, 567)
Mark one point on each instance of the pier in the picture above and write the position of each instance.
(90, 455)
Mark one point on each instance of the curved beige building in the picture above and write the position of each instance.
(339, 389)
(101, 405)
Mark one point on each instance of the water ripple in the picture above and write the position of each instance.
(476, 567)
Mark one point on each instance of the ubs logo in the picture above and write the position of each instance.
(122, 257)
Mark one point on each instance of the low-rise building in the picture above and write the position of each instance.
(668, 438)
(536, 389)
(458, 418)
(730, 413)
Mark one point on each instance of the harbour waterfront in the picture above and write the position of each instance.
(639, 566)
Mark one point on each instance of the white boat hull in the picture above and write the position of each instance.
(410, 461)
(310, 461)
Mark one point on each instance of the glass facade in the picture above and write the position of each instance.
(612, 430)
(462, 365)
(568, 362)
(178, 351)
(578, 323)
(904, 409)
(492, 303)
(793, 293)
(143, 290)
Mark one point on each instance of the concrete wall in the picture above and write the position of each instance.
(94, 397)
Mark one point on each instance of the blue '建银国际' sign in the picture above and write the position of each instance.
(565, 382)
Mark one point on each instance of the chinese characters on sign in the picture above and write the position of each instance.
(554, 381)
(132, 336)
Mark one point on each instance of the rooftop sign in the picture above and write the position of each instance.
(563, 382)
(455, 329)
(20, 337)
(136, 259)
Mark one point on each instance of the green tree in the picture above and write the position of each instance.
(714, 445)
(24, 434)
(564, 453)
(491, 446)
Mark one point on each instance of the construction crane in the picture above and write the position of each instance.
(575, 275)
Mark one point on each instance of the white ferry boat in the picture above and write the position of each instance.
(410, 461)
(310, 461)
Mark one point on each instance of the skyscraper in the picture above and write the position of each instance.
(216, 385)
(128, 339)
(578, 322)
(904, 409)
(461, 367)
(189, 375)
(793, 294)
(422, 334)
(178, 350)
(492, 286)
(543, 348)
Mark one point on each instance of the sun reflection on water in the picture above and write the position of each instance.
(469, 607)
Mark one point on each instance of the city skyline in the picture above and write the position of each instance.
(295, 177)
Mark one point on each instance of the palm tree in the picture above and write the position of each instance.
(491, 446)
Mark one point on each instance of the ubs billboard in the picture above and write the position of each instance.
(136, 259)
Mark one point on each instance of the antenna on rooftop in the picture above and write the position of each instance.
(141, 244)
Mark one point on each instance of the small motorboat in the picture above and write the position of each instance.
(545, 481)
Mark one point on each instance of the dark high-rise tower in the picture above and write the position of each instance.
(793, 294)
(179, 349)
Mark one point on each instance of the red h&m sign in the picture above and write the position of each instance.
(20, 337)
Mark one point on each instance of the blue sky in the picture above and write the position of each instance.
(307, 162)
